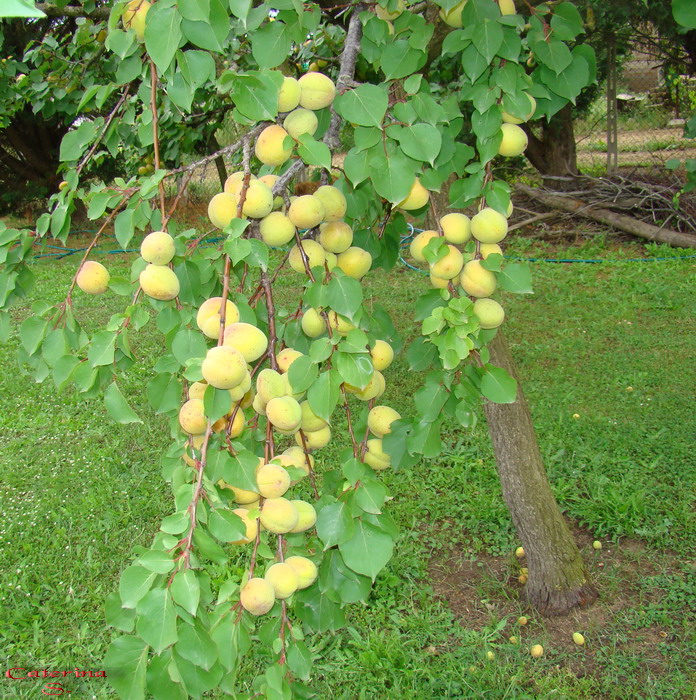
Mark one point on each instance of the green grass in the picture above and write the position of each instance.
(611, 342)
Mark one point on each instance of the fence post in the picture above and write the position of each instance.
(612, 106)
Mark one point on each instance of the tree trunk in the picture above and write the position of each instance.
(557, 580)
(553, 152)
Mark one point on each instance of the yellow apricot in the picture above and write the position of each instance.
(355, 262)
(537, 651)
(507, 7)
(314, 440)
(251, 524)
(278, 515)
(289, 95)
(223, 367)
(510, 119)
(310, 421)
(514, 141)
(284, 413)
(375, 456)
(456, 228)
(336, 236)
(157, 248)
(308, 516)
(269, 147)
(249, 340)
(257, 597)
(233, 184)
(379, 420)
(419, 242)
(334, 202)
(241, 496)
(93, 278)
(237, 427)
(489, 226)
(286, 357)
(284, 580)
(159, 282)
(331, 260)
(372, 390)
(316, 91)
(487, 249)
(192, 417)
(417, 197)
(305, 568)
(489, 313)
(134, 17)
(222, 208)
(340, 324)
(301, 121)
(197, 390)
(208, 316)
(384, 14)
(449, 266)
(306, 211)
(476, 280)
(313, 324)
(269, 385)
(276, 229)
(259, 200)
(453, 17)
(313, 252)
(272, 480)
(382, 355)
(438, 282)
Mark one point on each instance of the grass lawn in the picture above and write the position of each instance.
(606, 356)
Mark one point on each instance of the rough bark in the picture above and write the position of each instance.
(611, 218)
(552, 152)
(557, 580)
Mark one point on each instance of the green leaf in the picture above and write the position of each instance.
(216, 403)
(371, 495)
(117, 406)
(270, 44)
(75, 142)
(354, 369)
(323, 395)
(156, 560)
(516, 278)
(186, 590)
(102, 348)
(196, 679)
(368, 550)
(566, 21)
(226, 526)
(126, 663)
(344, 295)
(117, 616)
(238, 471)
(364, 106)
(684, 12)
(473, 63)
(196, 646)
(314, 152)
(488, 38)
(299, 659)
(498, 386)
(335, 524)
(318, 611)
(392, 176)
(156, 621)
(135, 582)
(188, 344)
(570, 82)
(159, 678)
(32, 332)
(302, 374)
(162, 34)
(420, 141)
(430, 399)
(552, 54)
(399, 60)
(164, 393)
(339, 583)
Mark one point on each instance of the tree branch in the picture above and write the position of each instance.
(54, 11)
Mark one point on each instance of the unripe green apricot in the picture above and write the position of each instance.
(355, 262)
(456, 228)
(306, 211)
(192, 417)
(384, 14)
(419, 242)
(278, 515)
(276, 229)
(272, 480)
(284, 580)
(476, 280)
(308, 516)
(259, 200)
(316, 91)
(159, 282)
(514, 141)
(379, 420)
(257, 597)
(286, 357)
(269, 147)
(312, 250)
(334, 203)
(224, 367)
(310, 421)
(249, 340)
(157, 248)
(301, 121)
(208, 316)
(382, 355)
(251, 524)
(289, 95)
(489, 313)
(336, 236)
(489, 226)
(315, 440)
(305, 568)
(93, 278)
(269, 385)
(449, 266)
(313, 324)
(510, 119)
(222, 208)
(284, 413)
(418, 197)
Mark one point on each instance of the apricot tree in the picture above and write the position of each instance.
(266, 542)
